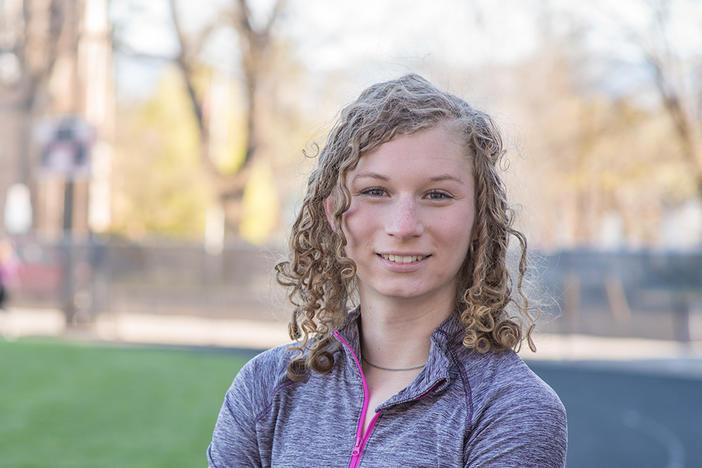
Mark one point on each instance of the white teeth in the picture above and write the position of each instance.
(403, 258)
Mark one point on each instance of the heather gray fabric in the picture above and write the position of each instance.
(481, 410)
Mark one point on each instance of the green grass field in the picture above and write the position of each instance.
(67, 405)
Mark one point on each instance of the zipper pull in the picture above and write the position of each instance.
(356, 448)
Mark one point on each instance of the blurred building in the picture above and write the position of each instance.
(55, 61)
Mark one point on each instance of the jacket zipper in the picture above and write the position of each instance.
(361, 438)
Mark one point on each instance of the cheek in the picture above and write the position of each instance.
(353, 224)
(456, 231)
(456, 224)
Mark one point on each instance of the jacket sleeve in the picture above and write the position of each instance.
(524, 429)
(234, 442)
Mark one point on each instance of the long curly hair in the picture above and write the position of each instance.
(321, 278)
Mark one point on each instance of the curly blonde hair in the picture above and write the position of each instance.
(321, 277)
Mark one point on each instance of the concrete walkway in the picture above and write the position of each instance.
(147, 329)
(233, 333)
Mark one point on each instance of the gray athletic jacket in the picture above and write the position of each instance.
(463, 409)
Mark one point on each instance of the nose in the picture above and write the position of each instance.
(403, 220)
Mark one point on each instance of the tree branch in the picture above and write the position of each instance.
(275, 13)
(127, 49)
(184, 62)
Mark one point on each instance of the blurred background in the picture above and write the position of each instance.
(153, 158)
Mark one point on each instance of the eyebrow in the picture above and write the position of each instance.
(443, 177)
(438, 178)
(372, 175)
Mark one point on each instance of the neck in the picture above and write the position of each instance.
(397, 334)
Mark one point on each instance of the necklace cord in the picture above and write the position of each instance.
(396, 369)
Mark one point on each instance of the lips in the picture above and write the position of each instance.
(403, 259)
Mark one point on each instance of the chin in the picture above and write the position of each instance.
(401, 293)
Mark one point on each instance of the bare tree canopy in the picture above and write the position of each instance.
(254, 44)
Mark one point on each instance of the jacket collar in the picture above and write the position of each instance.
(435, 376)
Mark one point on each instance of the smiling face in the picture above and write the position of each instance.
(411, 215)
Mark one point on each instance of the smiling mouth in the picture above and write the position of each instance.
(403, 258)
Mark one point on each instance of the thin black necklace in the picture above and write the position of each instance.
(392, 369)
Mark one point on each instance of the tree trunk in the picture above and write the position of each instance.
(254, 48)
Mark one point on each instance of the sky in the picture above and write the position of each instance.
(330, 37)
(376, 40)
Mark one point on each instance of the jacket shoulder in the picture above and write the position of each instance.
(515, 413)
(262, 376)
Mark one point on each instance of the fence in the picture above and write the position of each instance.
(648, 294)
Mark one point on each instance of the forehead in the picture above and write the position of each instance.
(434, 150)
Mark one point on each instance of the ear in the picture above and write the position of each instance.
(329, 209)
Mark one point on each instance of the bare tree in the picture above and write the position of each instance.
(254, 45)
(608, 143)
(682, 105)
(594, 148)
(674, 76)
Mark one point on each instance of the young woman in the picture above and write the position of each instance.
(405, 320)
